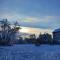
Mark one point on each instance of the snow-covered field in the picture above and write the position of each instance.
(30, 52)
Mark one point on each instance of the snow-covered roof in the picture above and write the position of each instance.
(57, 30)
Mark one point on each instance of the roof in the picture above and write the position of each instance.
(57, 30)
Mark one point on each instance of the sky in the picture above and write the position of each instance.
(32, 13)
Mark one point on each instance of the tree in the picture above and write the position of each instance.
(13, 32)
(32, 38)
(44, 38)
(5, 26)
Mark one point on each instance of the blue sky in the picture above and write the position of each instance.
(32, 13)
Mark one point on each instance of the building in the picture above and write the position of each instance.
(56, 35)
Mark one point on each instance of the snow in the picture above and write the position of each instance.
(30, 52)
(57, 30)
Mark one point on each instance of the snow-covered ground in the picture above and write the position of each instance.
(30, 52)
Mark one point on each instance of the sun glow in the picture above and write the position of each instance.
(23, 29)
(34, 30)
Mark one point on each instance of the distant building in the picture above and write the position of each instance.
(56, 35)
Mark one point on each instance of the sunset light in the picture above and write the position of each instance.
(34, 30)
(24, 30)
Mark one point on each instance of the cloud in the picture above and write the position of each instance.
(25, 18)
(44, 19)
(41, 21)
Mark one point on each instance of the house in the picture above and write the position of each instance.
(56, 35)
